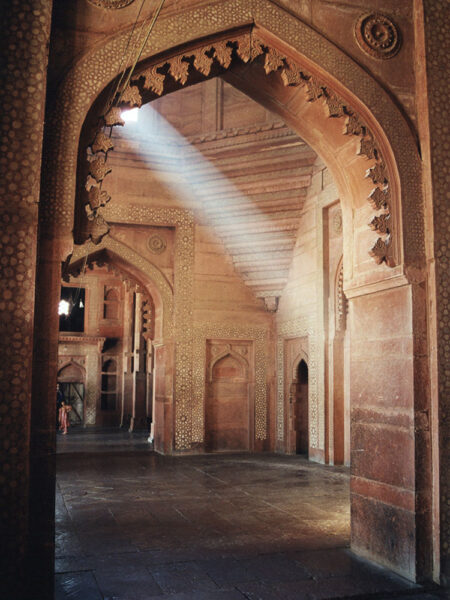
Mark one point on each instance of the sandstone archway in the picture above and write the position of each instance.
(330, 81)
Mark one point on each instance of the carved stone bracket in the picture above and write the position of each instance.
(246, 47)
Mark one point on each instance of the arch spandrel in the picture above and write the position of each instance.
(94, 71)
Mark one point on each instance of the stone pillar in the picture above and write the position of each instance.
(24, 51)
(138, 418)
(127, 378)
(390, 503)
(433, 85)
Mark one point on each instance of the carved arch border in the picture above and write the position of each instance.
(301, 327)
(97, 68)
(205, 331)
(145, 267)
(76, 364)
(180, 326)
(229, 352)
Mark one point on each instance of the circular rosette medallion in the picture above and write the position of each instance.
(156, 244)
(377, 35)
(110, 3)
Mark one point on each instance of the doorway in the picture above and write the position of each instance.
(300, 409)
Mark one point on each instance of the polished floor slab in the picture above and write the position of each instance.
(132, 525)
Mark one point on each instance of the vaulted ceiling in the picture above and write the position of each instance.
(244, 172)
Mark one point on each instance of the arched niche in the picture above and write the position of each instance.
(71, 372)
(232, 365)
(138, 269)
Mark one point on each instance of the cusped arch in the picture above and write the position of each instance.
(93, 73)
(71, 371)
(236, 356)
(301, 356)
(159, 287)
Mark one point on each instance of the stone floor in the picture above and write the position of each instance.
(132, 525)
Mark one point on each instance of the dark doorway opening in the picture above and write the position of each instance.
(301, 410)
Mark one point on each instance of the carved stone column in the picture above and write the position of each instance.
(138, 418)
(433, 85)
(24, 51)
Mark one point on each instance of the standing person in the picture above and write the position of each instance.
(64, 416)
(59, 400)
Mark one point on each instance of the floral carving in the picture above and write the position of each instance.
(244, 48)
(292, 76)
(97, 198)
(379, 198)
(101, 143)
(378, 174)
(381, 223)
(113, 117)
(368, 148)
(380, 251)
(377, 35)
(223, 53)
(336, 107)
(153, 80)
(354, 126)
(99, 169)
(132, 96)
(156, 244)
(314, 90)
(203, 62)
(179, 69)
(273, 60)
(110, 3)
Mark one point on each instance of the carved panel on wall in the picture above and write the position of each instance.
(377, 35)
(205, 331)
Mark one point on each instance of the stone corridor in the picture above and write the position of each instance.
(131, 525)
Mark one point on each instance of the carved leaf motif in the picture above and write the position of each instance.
(97, 229)
(256, 47)
(335, 106)
(203, 62)
(99, 169)
(223, 53)
(380, 223)
(113, 118)
(179, 69)
(132, 96)
(292, 75)
(314, 90)
(354, 126)
(244, 48)
(378, 174)
(273, 61)
(379, 198)
(368, 148)
(153, 80)
(380, 251)
(97, 198)
(101, 143)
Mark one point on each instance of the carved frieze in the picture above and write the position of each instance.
(111, 4)
(247, 47)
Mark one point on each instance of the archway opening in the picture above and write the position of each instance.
(300, 410)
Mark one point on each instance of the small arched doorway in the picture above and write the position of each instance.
(299, 409)
(71, 384)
